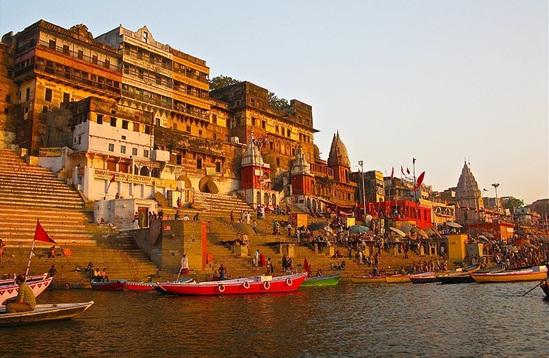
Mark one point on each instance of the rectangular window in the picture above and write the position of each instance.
(99, 119)
(107, 63)
(94, 59)
(178, 159)
(80, 54)
(111, 147)
(52, 45)
(214, 118)
(125, 124)
(123, 149)
(134, 151)
(66, 49)
(113, 121)
(198, 163)
(146, 153)
(135, 127)
(49, 93)
(147, 129)
(188, 129)
(263, 124)
(66, 97)
(218, 167)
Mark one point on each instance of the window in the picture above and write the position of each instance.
(66, 97)
(125, 124)
(188, 128)
(123, 149)
(147, 129)
(80, 54)
(178, 159)
(200, 133)
(214, 118)
(140, 73)
(107, 63)
(134, 151)
(94, 59)
(135, 127)
(52, 45)
(111, 147)
(263, 124)
(145, 37)
(49, 93)
(218, 167)
(113, 121)
(99, 119)
(145, 153)
(80, 139)
(157, 121)
(198, 163)
(66, 49)
(123, 137)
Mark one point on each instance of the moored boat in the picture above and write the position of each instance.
(324, 280)
(37, 286)
(462, 275)
(532, 274)
(43, 313)
(424, 277)
(397, 278)
(115, 285)
(368, 279)
(245, 285)
(148, 286)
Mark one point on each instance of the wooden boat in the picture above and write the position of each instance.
(462, 275)
(148, 286)
(368, 279)
(397, 278)
(545, 287)
(424, 277)
(254, 284)
(37, 286)
(115, 285)
(10, 281)
(324, 280)
(43, 313)
(536, 273)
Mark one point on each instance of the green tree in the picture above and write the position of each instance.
(512, 204)
(277, 103)
(222, 81)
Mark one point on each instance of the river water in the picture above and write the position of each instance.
(350, 320)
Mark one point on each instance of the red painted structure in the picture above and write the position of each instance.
(402, 210)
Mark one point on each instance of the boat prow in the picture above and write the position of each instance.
(43, 313)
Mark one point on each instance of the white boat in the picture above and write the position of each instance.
(10, 290)
(43, 313)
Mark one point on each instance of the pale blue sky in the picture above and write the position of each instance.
(439, 81)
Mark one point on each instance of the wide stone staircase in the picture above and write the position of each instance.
(29, 193)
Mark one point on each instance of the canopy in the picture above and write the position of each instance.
(399, 232)
(453, 224)
(358, 228)
(243, 228)
(317, 225)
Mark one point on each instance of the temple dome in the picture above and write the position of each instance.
(338, 153)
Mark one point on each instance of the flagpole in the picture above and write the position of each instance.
(414, 169)
(30, 258)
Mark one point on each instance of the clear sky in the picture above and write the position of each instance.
(441, 81)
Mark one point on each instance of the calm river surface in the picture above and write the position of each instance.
(351, 320)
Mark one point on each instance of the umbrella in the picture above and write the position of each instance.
(394, 229)
(317, 225)
(420, 232)
(453, 224)
(432, 231)
(358, 228)
(407, 228)
(243, 228)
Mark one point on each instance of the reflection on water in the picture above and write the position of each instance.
(351, 320)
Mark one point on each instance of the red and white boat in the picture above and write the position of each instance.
(245, 285)
(38, 284)
(115, 285)
(150, 286)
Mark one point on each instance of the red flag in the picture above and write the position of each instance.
(307, 267)
(392, 173)
(112, 179)
(40, 234)
(419, 181)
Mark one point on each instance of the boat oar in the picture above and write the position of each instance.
(533, 288)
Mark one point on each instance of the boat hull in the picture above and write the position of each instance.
(326, 280)
(368, 279)
(148, 286)
(398, 279)
(116, 285)
(43, 313)
(249, 285)
(534, 274)
(425, 277)
(37, 286)
(455, 278)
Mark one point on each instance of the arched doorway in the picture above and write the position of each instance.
(207, 185)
